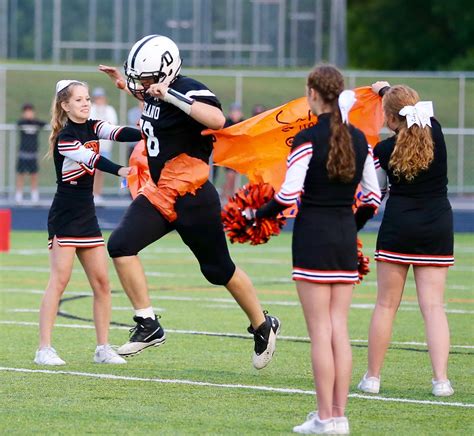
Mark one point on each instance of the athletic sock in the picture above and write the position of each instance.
(145, 313)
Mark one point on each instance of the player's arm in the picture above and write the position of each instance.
(73, 149)
(116, 77)
(371, 195)
(290, 191)
(206, 114)
(105, 130)
(380, 87)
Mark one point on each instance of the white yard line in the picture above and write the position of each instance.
(407, 306)
(226, 386)
(219, 334)
(230, 304)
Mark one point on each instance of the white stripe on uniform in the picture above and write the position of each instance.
(413, 259)
(297, 166)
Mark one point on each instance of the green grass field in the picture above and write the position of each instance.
(200, 383)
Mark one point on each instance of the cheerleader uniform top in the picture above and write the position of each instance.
(430, 183)
(324, 243)
(307, 176)
(76, 155)
(417, 226)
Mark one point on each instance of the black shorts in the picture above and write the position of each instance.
(29, 166)
(73, 221)
(416, 232)
(325, 245)
(198, 223)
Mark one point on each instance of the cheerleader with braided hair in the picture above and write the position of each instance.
(325, 166)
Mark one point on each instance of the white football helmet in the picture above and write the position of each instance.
(153, 57)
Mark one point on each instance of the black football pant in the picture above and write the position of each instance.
(198, 223)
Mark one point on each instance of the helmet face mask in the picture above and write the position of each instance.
(154, 58)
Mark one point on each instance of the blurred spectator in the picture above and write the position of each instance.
(29, 127)
(258, 109)
(133, 116)
(230, 176)
(100, 110)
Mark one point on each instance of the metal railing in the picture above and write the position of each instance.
(459, 131)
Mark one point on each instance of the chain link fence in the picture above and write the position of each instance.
(452, 94)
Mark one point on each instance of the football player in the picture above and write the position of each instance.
(179, 195)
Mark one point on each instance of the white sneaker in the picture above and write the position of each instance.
(341, 425)
(442, 388)
(18, 197)
(48, 356)
(314, 425)
(106, 354)
(371, 385)
(35, 196)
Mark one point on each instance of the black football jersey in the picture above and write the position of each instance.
(168, 131)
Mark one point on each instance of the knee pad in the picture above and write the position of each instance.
(218, 274)
(119, 246)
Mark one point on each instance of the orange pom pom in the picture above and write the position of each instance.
(241, 230)
(120, 84)
(362, 261)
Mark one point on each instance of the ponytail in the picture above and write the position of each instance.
(329, 83)
(341, 158)
(59, 116)
(414, 149)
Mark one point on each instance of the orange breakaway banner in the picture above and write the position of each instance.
(258, 147)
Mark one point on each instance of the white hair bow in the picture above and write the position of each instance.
(345, 101)
(419, 114)
(62, 84)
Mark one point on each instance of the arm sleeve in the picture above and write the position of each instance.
(371, 196)
(107, 166)
(369, 184)
(290, 191)
(105, 130)
(381, 176)
(73, 149)
(271, 209)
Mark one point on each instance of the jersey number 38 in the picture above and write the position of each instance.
(152, 143)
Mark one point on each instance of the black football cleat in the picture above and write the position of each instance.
(265, 341)
(147, 333)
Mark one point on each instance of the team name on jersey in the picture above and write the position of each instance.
(151, 111)
(93, 145)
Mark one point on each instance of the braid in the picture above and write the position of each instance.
(329, 83)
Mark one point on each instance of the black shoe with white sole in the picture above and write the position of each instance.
(265, 340)
(147, 333)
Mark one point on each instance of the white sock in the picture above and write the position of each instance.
(145, 313)
(323, 421)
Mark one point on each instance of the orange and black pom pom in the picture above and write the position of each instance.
(362, 261)
(241, 230)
